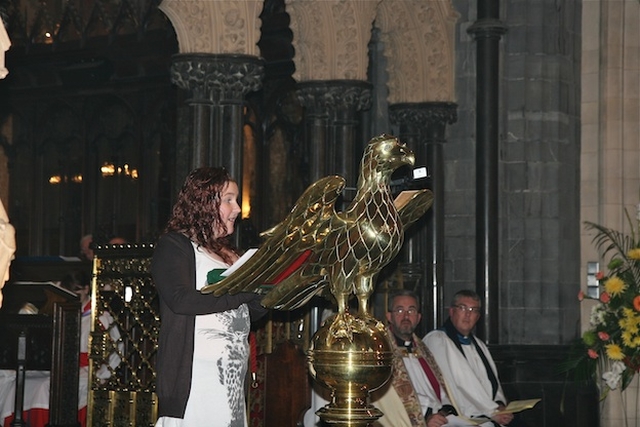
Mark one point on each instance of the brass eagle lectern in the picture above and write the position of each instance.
(315, 250)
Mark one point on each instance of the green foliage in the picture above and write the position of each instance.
(611, 347)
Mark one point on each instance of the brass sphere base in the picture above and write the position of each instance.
(351, 356)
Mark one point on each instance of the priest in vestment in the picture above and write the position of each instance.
(416, 395)
(465, 362)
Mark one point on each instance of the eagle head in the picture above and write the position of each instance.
(384, 154)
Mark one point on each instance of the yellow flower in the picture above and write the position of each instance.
(628, 315)
(630, 324)
(615, 286)
(634, 254)
(614, 352)
(627, 338)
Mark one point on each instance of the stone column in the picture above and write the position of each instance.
(331, 123)
(216, 85)
(330, 42)
(422, 127)
(217, 66)
(487, 31)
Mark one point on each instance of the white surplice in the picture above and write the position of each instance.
(466, 377)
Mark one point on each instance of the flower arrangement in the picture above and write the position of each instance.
(612, 343)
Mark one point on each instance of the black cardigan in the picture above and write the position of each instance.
(174, 273)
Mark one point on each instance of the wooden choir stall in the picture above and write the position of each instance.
(39, 348)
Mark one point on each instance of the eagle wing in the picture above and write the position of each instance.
(412, 204)
(289, 295)
(287, 249)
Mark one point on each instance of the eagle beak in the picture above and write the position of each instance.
(404, 156)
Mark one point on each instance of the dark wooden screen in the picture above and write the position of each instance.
(123, 288)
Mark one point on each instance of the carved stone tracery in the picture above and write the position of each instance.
(215, 26)
(419, 45)
(331, 38)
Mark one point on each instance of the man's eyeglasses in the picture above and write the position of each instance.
(401, 311)
(466, 309)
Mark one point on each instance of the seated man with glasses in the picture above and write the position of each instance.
(466, 364)
(415, 396)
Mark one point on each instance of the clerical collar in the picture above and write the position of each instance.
(407, 345)
(464, 340)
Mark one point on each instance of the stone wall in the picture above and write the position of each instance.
(539, 171)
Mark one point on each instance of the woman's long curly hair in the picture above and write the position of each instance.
(196, 213)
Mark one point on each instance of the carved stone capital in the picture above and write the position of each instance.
(423, 115)
(211, 77)
(322, 97)
(487, 28)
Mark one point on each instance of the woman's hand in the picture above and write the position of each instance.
(253, 300)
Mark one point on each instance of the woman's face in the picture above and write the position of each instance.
(229, 208)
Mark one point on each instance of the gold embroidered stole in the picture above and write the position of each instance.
(402, 383)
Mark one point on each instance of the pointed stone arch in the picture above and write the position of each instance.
(331, 38)
(230, 27)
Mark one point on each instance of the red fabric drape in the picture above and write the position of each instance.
(37, 417)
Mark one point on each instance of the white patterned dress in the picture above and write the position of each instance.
(220, 360)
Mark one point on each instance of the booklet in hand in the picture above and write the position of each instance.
(217, 274)
(518, 406)
(244, 258)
